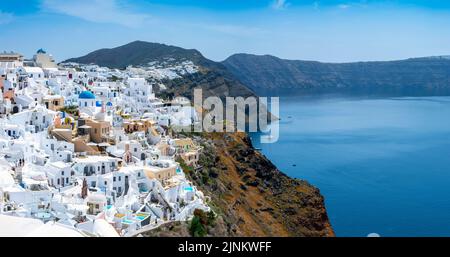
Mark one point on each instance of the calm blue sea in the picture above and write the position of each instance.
(383, 165)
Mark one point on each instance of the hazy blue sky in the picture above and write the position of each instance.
(334, 30)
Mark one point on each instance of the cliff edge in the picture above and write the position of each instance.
(250, 195)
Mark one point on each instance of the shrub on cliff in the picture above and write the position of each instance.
(201, 222)
(197, 229)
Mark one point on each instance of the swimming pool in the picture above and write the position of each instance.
(43, 215)
(140, 217)
(128, 222)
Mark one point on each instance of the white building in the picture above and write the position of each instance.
(44, 60)
(35, 73)
(95, 165)
(140, 89)
(10, 60)
(34, 120)
(86, 99)
(59, 174)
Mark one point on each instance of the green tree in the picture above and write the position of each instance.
(197, 229)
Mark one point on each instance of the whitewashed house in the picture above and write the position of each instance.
(34, 120)
(35, 73)
(59, 174)
(95, 165)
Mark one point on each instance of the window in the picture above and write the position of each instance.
(97, 206)
(57, 181)
(67, 180)
(114, 179)
(106, 183)
(120, 178)
(62, 173)
(85, 104)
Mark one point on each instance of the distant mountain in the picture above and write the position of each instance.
(136, 53)
(269, 75)
(213, 77)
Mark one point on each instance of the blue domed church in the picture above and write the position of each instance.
(86, 99)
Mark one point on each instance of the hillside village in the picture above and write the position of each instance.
(88, 151)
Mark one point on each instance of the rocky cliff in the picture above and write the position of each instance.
(269, 75)
(250, 195)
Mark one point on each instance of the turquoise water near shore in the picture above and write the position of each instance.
(383, 165)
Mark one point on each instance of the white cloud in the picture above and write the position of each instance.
(280, 4)
(102, 11)
(354, 4)
(344, 6)
(5, 17)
